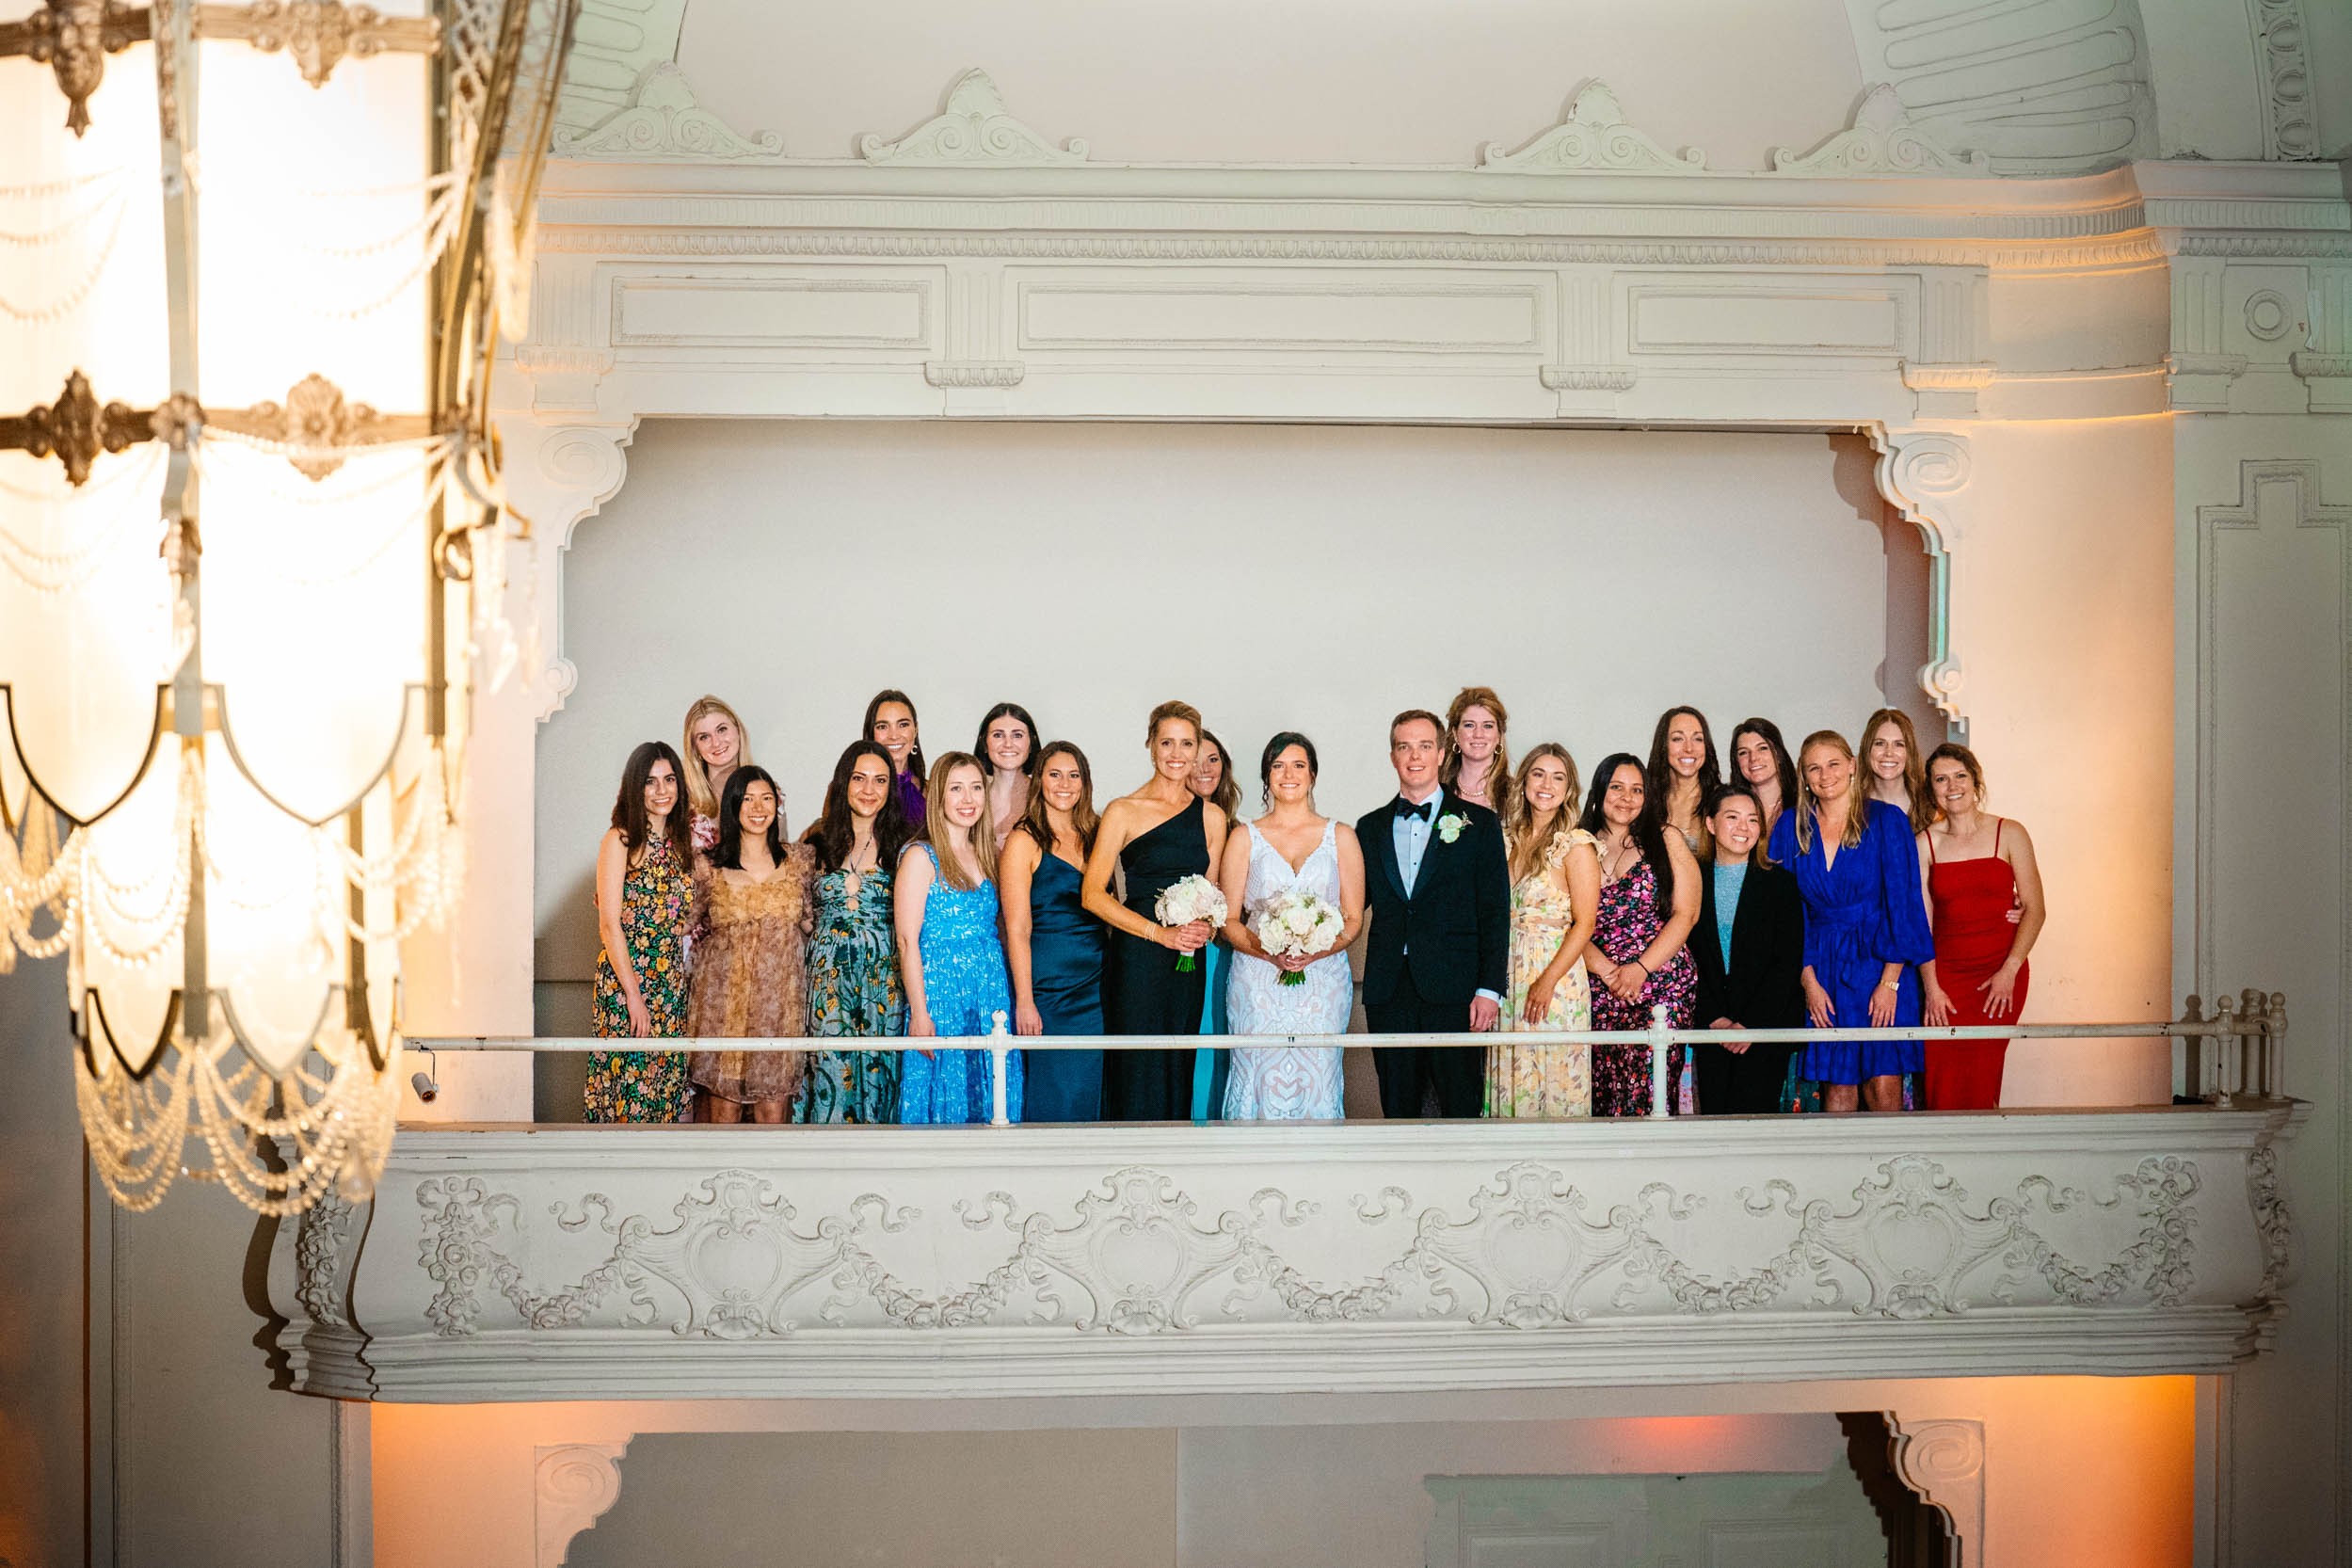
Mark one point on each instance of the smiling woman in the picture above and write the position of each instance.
(645, 903)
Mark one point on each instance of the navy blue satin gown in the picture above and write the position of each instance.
(1065, 952)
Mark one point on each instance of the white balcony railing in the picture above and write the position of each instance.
(518, 1262)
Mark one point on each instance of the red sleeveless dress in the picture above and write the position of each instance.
(1973, 933)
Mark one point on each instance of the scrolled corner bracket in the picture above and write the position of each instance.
(573, 1485)
(1880, 141)
(1593, 138)
(972, 127)
(1918, 474)
(318, 34)
(77, 427)
(1944, 1462)
(73, 37)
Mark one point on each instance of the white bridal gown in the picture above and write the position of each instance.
(1283, 1083)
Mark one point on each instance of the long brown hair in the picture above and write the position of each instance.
(835, 833)
(694, 780)
(1083, 819)
(1808, 806)
(1227, 796)
(1914, 764)
(1498, 771)
(634, 822)
(915, 752)
(938, 832)
(1519, 817)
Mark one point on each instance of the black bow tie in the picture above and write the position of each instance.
(1421, 811)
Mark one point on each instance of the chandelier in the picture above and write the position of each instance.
(252, 551)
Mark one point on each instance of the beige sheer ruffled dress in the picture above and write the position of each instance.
(751, 977)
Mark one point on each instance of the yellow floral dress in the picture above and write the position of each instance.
(657, 907)
(1546, 1081)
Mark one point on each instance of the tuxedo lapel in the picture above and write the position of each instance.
(1384, 853)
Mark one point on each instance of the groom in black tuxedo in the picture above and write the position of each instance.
(1438, 885)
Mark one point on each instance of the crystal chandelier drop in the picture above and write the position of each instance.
(252, 557)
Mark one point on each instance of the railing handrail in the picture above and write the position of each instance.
(2258, 1025)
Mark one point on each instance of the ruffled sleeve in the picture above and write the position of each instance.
(1907, 938)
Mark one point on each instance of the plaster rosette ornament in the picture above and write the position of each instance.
(1882, 140)
(1593, 139)
(972, 127)
(233, 743)
(664, 119)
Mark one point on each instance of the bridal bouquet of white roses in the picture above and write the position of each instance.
(1297, 924)
(1181, 903)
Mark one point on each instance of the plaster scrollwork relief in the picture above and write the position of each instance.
(1944, 1462)
(318, 1255)
(1593, 137)
(557, 475)
(573, 1485)
(1587, 378)
(1137, 1256)
(1880, 140)
(972, 127)
(1922, 473)
(663, 119)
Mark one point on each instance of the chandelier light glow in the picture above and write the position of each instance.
(250, 546)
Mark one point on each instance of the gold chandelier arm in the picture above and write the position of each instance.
(77, 427)
(317, 425)
(318, 34)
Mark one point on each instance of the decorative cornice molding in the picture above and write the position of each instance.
(1587, 378)
(1593, 138)
(1944, 1462)
(2290, 130)
(663, 120)
(972, 127)
(573, 1485)
(1925, 377)
(973, 373)
(1882, 140)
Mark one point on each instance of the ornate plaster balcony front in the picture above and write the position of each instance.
(507, 1262)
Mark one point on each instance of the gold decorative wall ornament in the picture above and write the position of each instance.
(232, 767)
(75, 36)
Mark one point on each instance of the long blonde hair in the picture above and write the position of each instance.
(1498, 771)
(1519, 817)
(938, 833)
(1809, 804)
(1923, 809)
(700, 798)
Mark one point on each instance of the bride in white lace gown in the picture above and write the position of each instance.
(1289, 846)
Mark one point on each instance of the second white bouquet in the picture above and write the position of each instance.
(1189, 899)
(1297, 924)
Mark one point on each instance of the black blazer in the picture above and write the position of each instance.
(1454, 931)
(1764, 987)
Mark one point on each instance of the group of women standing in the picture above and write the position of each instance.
(924, 901)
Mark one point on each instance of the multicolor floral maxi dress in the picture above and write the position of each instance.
(855, 991)
(657, 906)
(1548, 1081)
(1626, 922)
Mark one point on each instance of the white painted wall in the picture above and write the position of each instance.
(1332, 82)
(1282, 577)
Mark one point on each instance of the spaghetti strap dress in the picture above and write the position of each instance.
(964, 987)
(1973, 936)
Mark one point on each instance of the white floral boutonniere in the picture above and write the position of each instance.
(1450, 826)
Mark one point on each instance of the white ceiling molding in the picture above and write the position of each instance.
(1882, 140)
(2290, 126)
(612, 45)
(972, 127)
(2040, 90)
(1593, 137)
(664, 119)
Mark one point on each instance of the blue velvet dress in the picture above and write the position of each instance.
(1862, 913)
(965, 985)
(1066, 951)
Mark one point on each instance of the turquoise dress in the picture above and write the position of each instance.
(964, 987)
(854, 993)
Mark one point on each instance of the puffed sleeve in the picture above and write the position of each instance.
(1908, 939)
